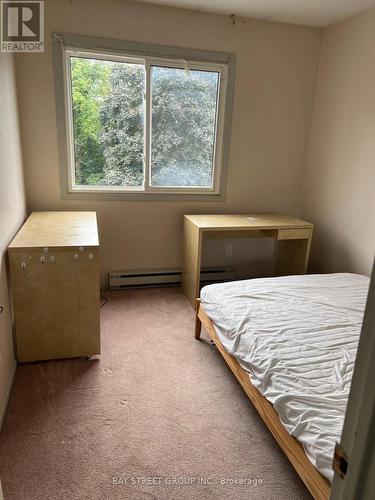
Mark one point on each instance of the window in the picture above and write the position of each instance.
(143, 124)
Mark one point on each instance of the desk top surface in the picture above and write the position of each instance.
(57, 229)
(229, 222)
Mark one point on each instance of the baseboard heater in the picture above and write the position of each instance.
(166, 277)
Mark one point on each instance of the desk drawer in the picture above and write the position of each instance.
(294, 234)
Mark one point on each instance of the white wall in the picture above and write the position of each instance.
(274, 90)
(339, 186)
(12, 212)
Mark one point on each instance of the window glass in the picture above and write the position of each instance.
(184, 104)
(108, 122)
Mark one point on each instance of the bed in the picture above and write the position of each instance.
(291, 342)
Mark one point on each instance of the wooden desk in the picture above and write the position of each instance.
(54, 274)
(292, 250)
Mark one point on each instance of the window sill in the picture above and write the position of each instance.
(141, 196)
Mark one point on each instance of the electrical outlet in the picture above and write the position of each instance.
(229, 250)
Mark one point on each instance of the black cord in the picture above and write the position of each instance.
(105, 300)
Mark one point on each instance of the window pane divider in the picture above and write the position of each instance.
(147, 151)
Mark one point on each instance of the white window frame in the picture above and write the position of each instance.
(147, 61)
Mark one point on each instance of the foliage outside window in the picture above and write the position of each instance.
(139, 124)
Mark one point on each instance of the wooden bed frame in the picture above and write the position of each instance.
(316, 483)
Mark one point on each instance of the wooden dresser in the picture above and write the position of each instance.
(54, 276)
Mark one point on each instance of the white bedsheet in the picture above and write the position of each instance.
(297, 336)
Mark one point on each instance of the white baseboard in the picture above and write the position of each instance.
(5, 404)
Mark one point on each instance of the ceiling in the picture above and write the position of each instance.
(307, 12)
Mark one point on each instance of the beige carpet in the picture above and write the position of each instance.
(158, 415)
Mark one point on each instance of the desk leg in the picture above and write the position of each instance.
(198, 323)
(292, 256)
(192, 261)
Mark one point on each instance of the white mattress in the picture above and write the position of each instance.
(297, 336)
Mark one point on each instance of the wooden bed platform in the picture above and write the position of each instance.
(316, 483)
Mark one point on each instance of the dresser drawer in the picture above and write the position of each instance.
(294, 234)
